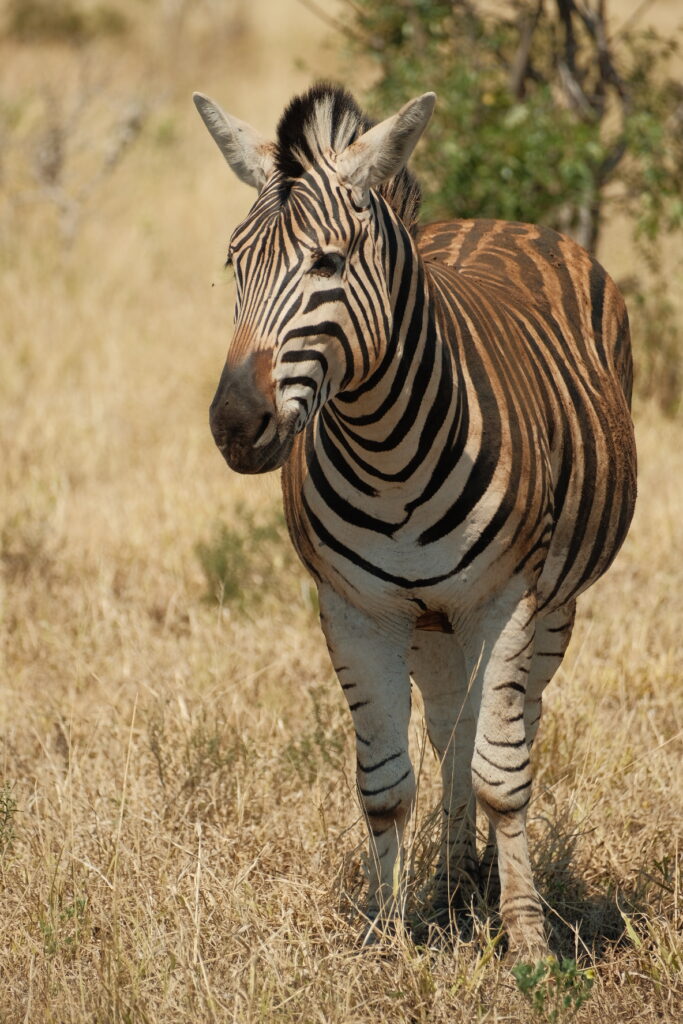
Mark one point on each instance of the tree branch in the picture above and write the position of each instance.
(521, 64)
(335, 23)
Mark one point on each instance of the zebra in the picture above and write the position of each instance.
(450, 407)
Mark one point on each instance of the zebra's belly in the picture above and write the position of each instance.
(583, 549)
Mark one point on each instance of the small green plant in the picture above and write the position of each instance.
(242, 563)
(8, 808)
(63, 932)
(25, 548)
(225, 564)
(556, 989)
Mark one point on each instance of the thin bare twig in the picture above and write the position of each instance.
(521, 64)
(329, 19)
(631, 20)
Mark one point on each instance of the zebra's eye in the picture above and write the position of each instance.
(327, 264)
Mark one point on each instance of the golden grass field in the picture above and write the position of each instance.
(179, 834)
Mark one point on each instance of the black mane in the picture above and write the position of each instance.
(328, 117)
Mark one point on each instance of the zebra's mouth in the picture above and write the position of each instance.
(243, 457)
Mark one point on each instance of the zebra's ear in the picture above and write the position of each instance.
(251, 157)
(384, 150)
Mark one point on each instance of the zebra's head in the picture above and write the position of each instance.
(313, 309)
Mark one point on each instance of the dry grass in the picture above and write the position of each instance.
(179, 837)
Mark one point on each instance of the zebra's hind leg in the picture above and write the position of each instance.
(370, 659)
(438, 667)
(501, 769)
(553, 633)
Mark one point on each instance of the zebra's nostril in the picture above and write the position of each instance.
(264, 424)
(266, 431)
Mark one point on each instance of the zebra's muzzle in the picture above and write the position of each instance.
(245, 458)
(246, 426)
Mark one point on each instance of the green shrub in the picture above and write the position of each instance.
(245, 562)
(555, 989)
(545, 114)
(537, 112)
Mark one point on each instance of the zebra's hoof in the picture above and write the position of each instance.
(379, 930)
(530, 952)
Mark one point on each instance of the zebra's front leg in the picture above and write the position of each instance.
(438, 667)
(370, 661)
(501, 769)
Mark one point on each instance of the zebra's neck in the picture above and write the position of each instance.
(410, 402)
